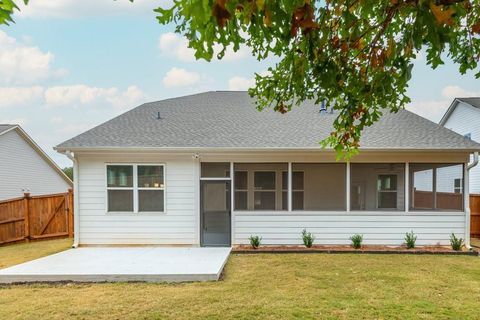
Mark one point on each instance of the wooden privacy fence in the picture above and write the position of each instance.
(475, 215)
(38, 217)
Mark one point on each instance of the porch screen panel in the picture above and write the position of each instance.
(377, 186)
(318, 186)
(436, 187)
(258, 186)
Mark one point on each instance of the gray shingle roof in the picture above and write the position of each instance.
(230, 120)
(474, 102)
(5, 127)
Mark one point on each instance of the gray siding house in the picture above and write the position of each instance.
(210, 170)
(24, 167)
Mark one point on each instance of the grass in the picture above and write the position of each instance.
(266, 286)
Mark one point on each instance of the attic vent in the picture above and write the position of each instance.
(323, 107)
(158, 117)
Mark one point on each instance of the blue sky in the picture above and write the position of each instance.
(68, 65)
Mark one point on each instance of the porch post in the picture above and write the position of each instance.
(232, 205)
(466, 206)
(407, 187)
(348, 186)
(289, 193)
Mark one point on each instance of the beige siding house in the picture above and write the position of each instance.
(210, 170)
(24, 167)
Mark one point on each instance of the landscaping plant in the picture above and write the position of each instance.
(308, 238)
(255, 241)
(410, 239)
(357, 240)
(456, 243)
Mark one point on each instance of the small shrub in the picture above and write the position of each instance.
(410, 239)
(255, 241)
(456, 243)
(308, 238)
(357, 240)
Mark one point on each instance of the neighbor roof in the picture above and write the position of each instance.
(229, 120)
(473, 101)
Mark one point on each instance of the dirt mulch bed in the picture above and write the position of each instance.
(348, 249)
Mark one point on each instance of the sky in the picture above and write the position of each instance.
(68, 65)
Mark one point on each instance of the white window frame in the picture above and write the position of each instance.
(387, 191)
(458, 189)
(235, 190)
(136, 188)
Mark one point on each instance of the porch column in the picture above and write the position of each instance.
(232, 204)
(289, 193)
(407, 187)
(348, 186)
(466, 206)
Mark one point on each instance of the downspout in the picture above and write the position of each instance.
(467, 199)
(76, 211)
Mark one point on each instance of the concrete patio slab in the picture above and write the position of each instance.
(100, 264)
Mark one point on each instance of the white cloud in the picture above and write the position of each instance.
(19, 121)
(56, 120)
(177, 77)
(240, 83)
(20, 96)
(89, 8)
(457, 92)
(435, 109)
(174, 45)
(24, 64)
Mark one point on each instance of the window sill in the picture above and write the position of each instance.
(123, 213)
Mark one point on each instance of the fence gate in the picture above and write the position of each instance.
(38, 217)
(475, 215)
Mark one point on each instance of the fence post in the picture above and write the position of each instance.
(26, 215)
(70, 212)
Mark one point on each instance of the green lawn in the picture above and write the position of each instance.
(266, 286)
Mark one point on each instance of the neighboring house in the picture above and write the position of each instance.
(463, 117)
(24, 167)
(210, 170)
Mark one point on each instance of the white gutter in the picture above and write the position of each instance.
(467, 198)
(76, 211)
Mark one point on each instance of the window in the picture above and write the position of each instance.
(436, 186)
(297, 190)
(387, 191)
(241, 190)
(135, 188)
(258, 186)
(377, 186)
(457, 185)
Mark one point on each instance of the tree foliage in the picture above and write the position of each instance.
(357, 55)
(354, 54)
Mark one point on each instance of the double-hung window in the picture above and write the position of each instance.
(135, 188)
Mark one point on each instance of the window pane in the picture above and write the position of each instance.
(285, 200)
(433, 186)
(119, 176)
(150, 177)
(377, 186)
(150, 201)
(215, 169)
(264, 200)
(120, 200)
(323, 185)
(241, 200)
(241, 180)
(297, 200)
(264, 180)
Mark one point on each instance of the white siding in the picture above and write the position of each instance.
(465, 119)
(177, 225)
(337, 227)
(21, 167)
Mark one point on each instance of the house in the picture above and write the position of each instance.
(463, 117)
(25, 167)
(210, 170)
